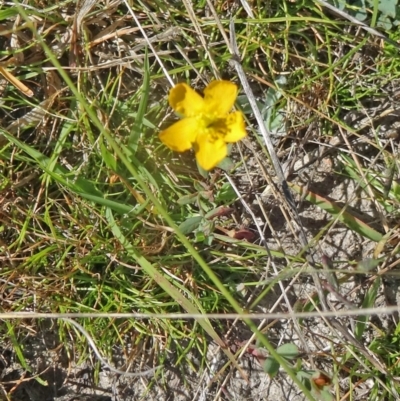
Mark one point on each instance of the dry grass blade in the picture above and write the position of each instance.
(83, 8)
(16, 82)
(271, 150)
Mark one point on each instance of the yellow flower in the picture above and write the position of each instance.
(207, 124)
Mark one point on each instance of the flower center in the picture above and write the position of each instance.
(219, 128)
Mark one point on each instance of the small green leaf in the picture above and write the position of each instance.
(340, 4)
(368, 264)
(368, 302)
(244, 104)
(361, 15)
(325, 395)
(203, 173)
(8, 13)
(388, 7)
(218, 212)
(199, 236)
(110, 160)
(200, 186)
(272, 112)
(137, 128)
(271, 366)
(304, 376)
(288, 351)
(189, 225)
(384, 22)
(226, 194)
(186, 199)
(226, 164)
(396, 189)
(208, 240)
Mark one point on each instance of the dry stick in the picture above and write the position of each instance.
(290, 202)
(279, 172)
(270, 147)
(267, 138)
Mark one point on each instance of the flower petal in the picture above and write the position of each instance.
(184, 100)
(236, 129)
(181, 135)
(210, 150)
(220, 96)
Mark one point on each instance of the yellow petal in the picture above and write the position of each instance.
(181, 135)
(184, 100)
(219, 97)
(236, 129)
(210, 150)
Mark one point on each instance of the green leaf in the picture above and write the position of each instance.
(396, 190)
(271, 366)
(226, 164)
(8, 13)
(191, 224)
(199, 236)
(288, 351)
(18, 351)
(203, 173)
(226, 194)
(340, 4)
(244, 104)
(304, 376)
(368, 302)
(325, 395)
(361, 13)
(110, 160)
(208, 240)
(137, 128)
(384, 22)
(186, 199)
(199, 186)
(388, 7)
(208, 195)
(368, 264)
(274, 118)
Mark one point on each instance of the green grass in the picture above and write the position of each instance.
(98, 216)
